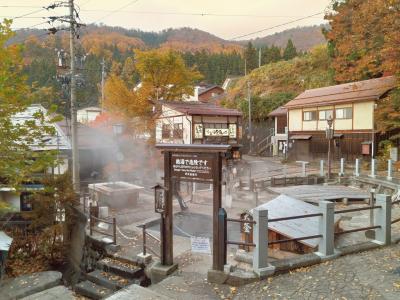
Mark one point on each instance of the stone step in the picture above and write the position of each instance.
(109, 280)
(92, 290)
(123, 269)
(135, 292)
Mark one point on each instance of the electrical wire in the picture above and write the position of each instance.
(276, 26)
(195, 14)
(28, 14)
(117, 10)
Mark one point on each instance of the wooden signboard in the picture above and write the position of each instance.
(192, 167)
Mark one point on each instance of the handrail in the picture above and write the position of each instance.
(295, 217)
(396, 202)
(240, 243)
(295, 239)
(153, 237)
(240, 221)
(357, 230)
(356, 209)
(396, 220)
(103, 220)
(145, 246)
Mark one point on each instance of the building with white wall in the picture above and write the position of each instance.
(351, 107)
(198, 123)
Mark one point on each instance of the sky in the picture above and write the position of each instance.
(228, 19)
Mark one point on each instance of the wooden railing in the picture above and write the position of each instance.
(145, 246)
(94, 219)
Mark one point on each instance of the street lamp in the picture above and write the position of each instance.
(159, 199)
(329, 136)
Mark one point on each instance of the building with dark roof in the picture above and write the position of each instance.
(351, 107)
(198, 123)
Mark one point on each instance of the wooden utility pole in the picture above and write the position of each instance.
(74, 122)
(250, 122)
(259, 57)
(103, 74)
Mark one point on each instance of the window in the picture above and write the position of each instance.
(166, 131)
(325, 114)
(310, 115)
(344, 113)
(178, 131)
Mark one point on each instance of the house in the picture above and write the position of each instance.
(285, 206)
(279, 137)
(198, 123)
(19, 200)
(351, 107)
(88, 114)
(207, 94)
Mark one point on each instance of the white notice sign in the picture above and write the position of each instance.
(200, 245)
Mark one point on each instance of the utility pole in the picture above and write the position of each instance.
(103, 74)
(245, 67)
(259, 57)
(74, 122)
(250, 123)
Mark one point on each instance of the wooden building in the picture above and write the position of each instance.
(285, 206)
(210, 93)
(198, 123)
(351, 106)
(279, 138)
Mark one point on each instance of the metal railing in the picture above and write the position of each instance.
(145, 246)
(111, 221)
(241, 221)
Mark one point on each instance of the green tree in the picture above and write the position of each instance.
(18, 161)
(250, 55)
(290, 51)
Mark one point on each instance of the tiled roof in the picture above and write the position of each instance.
(200, 108)
(280, 111)
(372, 89)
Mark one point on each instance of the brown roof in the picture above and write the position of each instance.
(372, 89)
(280, 111)
(200, 108)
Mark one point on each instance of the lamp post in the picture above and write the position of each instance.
(329, 136)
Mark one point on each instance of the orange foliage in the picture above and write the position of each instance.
(97, 42)
(210, 47)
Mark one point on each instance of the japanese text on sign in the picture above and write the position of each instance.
(192, 167)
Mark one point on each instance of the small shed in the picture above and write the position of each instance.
(285, 206)
(5, 244)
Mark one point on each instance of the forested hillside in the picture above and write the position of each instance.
(213, 57)
(276, 83)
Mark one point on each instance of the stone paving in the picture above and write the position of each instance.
(368, 275)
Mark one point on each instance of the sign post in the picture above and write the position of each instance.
(193, 163)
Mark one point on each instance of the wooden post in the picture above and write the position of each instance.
(90, 220)
(222, 232)
(115, 230)
(217, 197)
(167, 221)
(144, 239)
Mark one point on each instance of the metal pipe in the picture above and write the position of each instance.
(295, 239)
(357, 209)
(295, 217)
(357, 230)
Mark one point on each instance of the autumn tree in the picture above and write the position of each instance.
(18, 160)
(364, 42)
(164, 74)
(364, 38)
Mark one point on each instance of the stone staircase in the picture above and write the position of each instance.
(109, 276)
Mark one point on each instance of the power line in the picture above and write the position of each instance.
(28, 14)
(194, 14)
(276, 26)
(117, 10)
(19, 6)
